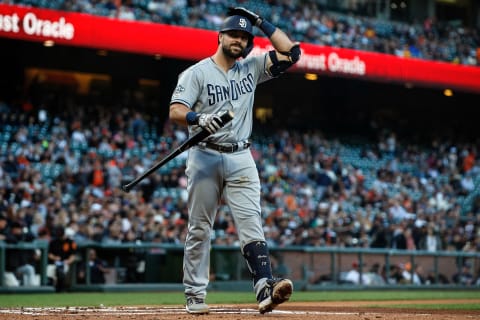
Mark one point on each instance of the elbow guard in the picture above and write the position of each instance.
(280, 66)
(294, 54)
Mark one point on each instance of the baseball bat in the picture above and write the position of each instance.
(226, 117)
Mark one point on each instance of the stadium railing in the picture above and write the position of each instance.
(159, 267)
(41, 267)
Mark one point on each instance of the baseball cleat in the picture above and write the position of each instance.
(196, 306)
(275, 292)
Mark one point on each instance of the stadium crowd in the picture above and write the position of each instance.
(64, 166)
(306, 21)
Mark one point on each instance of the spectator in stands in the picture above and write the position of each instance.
(412, 275)
(353, 276)
(467, 184)
(376, 274)
(97, 267)
(98, 232)
(397, 211)
(62, 253)
(10, 166)
(133, 259)
(464, 276)
(125, 12)
(379, 234)
(402, 238)
(138, 126)
(431, 278)
(477, 277)
(431, 242)
(21, 262)
(394, 275)
(3, 227)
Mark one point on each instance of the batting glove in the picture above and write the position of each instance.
(254, 18)
(210, 122)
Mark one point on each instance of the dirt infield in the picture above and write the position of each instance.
(355, 310)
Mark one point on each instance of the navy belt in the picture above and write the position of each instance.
(226, 147)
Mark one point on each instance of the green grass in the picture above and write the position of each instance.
(176, 298)
(384, 295)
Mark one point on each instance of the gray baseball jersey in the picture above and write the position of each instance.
(206, 88)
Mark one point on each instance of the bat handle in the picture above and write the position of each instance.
(127, 187)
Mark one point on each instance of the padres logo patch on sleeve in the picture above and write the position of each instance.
(179, 89)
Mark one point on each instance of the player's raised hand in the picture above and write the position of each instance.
(254, 18)
(210, 122)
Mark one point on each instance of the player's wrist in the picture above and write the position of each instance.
(267, 27)
(192, 118)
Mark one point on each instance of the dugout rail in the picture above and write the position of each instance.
(159, 267)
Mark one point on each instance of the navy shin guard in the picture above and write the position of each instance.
(258, 260)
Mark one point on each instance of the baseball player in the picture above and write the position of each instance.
(222, 165)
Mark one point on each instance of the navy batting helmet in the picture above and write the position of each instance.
(239, 23)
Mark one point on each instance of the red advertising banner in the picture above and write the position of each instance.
(77, 29)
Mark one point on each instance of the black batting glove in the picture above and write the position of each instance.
(254, 18)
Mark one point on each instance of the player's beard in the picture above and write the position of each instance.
(230, 53)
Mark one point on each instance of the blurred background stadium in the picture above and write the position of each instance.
(373, 167)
